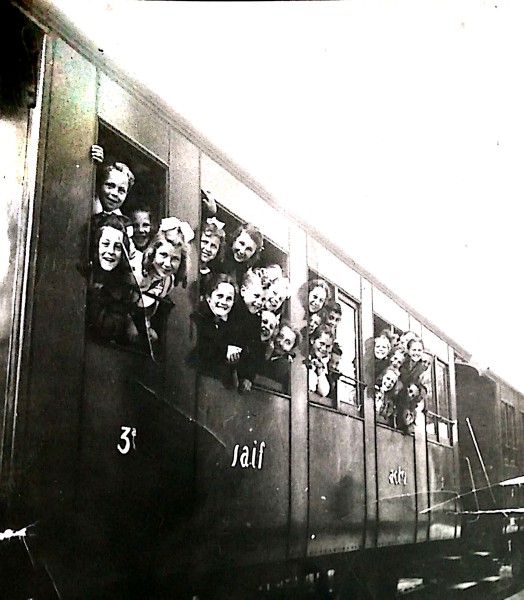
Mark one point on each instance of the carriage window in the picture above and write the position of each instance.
(443, 408)
(333, 361)
(255, 271)
(401, 365)
(438, 409)
(346, 388)
(132, 271)
(509, 434)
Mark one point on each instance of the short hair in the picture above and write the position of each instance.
(313, 283)
(333, 306)
(256, 235)
(384, 337)
(176, 239)
(264, 274)
(215, 279)
(412, 341)
(298, 335)
(281, 283)
(123, 168)
(321, 329)
(145, 209)
(250, 276)
(391, 335)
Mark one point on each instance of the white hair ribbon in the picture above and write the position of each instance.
(170, 223)
(214, 221)
(129, 231)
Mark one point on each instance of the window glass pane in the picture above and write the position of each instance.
(431, 405)
(346, 388)
(441, 381)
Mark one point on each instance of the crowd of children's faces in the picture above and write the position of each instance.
(401, 369)
(242, 333)
(135, 266)
(324, 351)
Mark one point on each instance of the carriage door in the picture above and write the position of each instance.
(104, 444)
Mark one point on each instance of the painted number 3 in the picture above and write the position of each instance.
(127, 442)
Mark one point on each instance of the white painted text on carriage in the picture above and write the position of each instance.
(129, 442)
(398, 476)
(249, 457)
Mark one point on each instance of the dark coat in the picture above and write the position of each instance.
(214, 336)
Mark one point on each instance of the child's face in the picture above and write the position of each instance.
(114, 190)
(272, 273)
(253, 295)
(333, 319)
(141, 228)
(413, 391)
(167, 259)
(397, 359)
(285, 340)
(209, 246)
(110, 248)
(275, 297)
(415, 351)
(389, 379)
(243, 247)
(381, 348)
(317, 297)
(322, 345)
(405, 339)
(268, 325)
(221, 299)
(314, 321)
(334, 362)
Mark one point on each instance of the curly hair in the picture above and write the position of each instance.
(176, 239)
(123, 168)
(314, 283)
(319, 331)
(256, 235)
(99, 223)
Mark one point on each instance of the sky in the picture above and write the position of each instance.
(396, 127)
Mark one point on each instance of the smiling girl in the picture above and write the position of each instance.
(243, 251)
(111, 290)
(218, 348)
(163, 266)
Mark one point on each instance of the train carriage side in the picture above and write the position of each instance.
(148, 475)
(491, 429)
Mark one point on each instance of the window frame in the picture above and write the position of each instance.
(509, 432)
(436, 416)
(334, 404)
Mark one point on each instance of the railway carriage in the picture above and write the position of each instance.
(137, 471)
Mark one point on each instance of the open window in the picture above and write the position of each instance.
(265, 359)
(333, 340)
(402, 371)
(128, 306)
